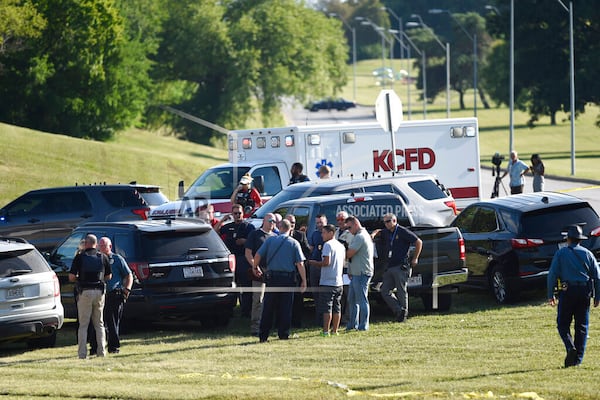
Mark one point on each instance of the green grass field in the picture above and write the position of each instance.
(477, 351)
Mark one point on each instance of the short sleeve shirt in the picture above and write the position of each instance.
(331, 275)
(281, 253)
(515, 171)
(362, 260)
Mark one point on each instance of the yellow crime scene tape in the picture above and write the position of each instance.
(349, 392)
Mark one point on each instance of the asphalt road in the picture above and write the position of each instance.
(588, 190)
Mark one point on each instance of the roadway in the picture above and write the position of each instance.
(588, 190)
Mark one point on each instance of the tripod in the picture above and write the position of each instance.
(498, 182)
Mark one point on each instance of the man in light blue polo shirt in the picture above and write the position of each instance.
(516, 169)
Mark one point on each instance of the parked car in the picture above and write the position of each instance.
(30, 306)
(510, 241)
(182, 269)
(442, 260)
(45, 216)
(428, 201)
(331, 104)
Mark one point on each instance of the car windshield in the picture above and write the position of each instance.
(216, 183)
(20, 262)
(180, 244)
(287, 194)
(543, 222)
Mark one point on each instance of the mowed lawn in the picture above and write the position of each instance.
(477, 350)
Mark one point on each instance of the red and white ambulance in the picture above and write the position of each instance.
(446, 148)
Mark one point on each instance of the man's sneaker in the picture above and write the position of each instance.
(571, 358)
(324, 334)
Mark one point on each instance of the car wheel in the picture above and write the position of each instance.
(43, 342)
(501, 289)
(444, 301)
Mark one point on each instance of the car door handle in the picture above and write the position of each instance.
(86, 215)
(33, 220)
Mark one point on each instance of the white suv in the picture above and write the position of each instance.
(428, 201)
(30, 306)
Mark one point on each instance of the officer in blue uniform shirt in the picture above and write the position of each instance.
(574, 270)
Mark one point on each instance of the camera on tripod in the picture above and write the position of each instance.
(497, 159)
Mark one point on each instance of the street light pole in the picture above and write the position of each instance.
(473, 39)
(379, 30)
(571, 81)
(353, 30)
(447, 48)
(400, 29)
(423, 67)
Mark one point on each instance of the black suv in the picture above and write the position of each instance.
(182, 268)
(510, 241)
(45, 216)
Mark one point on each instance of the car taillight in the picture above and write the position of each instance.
(461, 246)
(519, 243)
(595, 232)
(232, 263)
(142, 212)
(141, 270)
(56, 286)
(452, 205)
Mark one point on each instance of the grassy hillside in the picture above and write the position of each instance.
(31, 160)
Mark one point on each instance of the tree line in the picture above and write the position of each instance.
(90, 68)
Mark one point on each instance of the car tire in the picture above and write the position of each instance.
(444, 301)
(501, 289)
(43, 342)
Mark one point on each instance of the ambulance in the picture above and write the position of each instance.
(446, 148)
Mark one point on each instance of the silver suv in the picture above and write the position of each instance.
(428, 201)
(30, 306)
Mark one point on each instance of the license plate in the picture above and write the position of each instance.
(415, 280)
(193, 272)
(14, 293)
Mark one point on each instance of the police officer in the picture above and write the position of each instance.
(283, 256)
(117, 292)
(90, 269)
(396, 243)
(234, 231)
(578, 272)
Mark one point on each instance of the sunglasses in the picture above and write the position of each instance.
(237, 213)
(272, 220)
(386, 221)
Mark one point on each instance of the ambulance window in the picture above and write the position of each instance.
(427, 189)
(271, 179)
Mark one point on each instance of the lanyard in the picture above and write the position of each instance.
(393, 237)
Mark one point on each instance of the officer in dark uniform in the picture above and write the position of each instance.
(577, 270)
(235, 234)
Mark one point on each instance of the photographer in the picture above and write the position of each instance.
(516, 169)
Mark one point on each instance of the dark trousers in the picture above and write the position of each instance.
(244, 283)
(574, 304)
(113, 311)
(277, 304)
(315, 277)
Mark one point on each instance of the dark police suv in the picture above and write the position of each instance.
(510, 241)
(182, 269)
